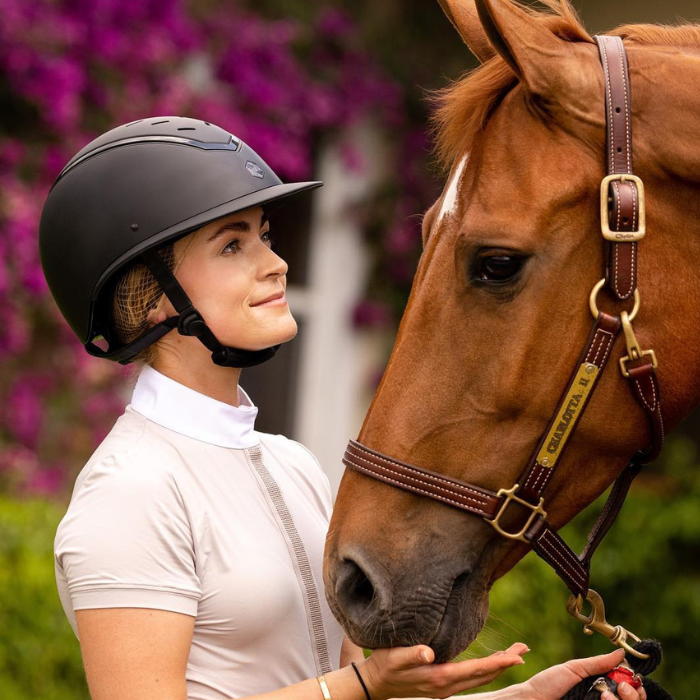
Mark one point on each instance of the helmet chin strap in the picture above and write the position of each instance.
(190, 321)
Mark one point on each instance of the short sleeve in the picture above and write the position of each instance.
(125, 540)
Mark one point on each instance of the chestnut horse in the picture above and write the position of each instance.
(498, 312)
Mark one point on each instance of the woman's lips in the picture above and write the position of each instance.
(275, 301)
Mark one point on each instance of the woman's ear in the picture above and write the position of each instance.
(157, 314)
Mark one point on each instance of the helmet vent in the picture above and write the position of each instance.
(164, 121)
(186, 128)
(138, 121)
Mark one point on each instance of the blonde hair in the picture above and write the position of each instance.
(137, 292)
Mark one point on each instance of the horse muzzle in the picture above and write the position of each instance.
(430, 602)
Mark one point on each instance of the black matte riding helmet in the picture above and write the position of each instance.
(131, 190)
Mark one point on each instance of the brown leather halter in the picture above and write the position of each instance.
(622, 209)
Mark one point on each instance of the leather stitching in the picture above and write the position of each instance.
(652, 408)
(610, 105)
(602, 343)
(610, 343)
(566, 557)
(565, 562)
(542, 473)
(453, 491)
(594, 346)
(415, 489)
(527, 485)
(628, 144)
(393, 465)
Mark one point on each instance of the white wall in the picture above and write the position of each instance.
(337, 361)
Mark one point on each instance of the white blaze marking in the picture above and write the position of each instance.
(450, 198)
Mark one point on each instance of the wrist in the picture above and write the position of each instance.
(343, 685)
(518, 691)
(512, 692)
(361, 681)
(368, 671)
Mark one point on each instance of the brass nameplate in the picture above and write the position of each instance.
(570, 410)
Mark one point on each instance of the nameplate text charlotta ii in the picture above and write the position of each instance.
(570, 410)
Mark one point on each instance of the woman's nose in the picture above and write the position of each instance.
(272, 265)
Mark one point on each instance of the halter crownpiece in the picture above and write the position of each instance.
(623, 225)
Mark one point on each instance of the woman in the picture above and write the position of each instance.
(189, 560)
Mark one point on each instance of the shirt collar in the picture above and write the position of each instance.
(186, 411)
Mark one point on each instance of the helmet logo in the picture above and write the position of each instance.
(254, 169)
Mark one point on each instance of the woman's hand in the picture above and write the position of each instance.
(554, 682)
(403, 672)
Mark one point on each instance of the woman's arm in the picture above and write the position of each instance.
(142, 653)
(135, 653)
(350, 652)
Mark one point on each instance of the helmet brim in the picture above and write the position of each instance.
(268, 198)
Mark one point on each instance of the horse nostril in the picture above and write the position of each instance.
(354, 589)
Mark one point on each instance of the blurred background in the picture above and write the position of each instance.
(328, 89)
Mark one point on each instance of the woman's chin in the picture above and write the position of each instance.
(281, 333)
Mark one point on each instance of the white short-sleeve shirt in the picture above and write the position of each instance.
(186, 507)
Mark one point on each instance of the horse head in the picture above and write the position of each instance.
(499, 311)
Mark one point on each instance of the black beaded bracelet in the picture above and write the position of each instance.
(359, 678)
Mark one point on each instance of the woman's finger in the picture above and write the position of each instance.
(403, 658)
(517, 648)
(627, 692)
(595, 665)
(474, 672)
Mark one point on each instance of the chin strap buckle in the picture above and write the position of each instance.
(190, 322)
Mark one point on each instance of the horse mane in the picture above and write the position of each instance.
(461, 110)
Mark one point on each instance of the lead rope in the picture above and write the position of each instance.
(591, 688)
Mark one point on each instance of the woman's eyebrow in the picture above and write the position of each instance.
(240, 226)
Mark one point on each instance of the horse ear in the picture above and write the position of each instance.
(465, 19)
(524, 42)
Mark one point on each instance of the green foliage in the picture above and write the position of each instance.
(39, 654)
(647, 570)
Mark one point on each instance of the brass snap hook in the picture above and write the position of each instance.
(634, 351)
(596, 622)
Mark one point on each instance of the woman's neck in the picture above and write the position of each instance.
(220, 383)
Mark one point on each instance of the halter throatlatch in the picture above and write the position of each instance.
(622, 225)
(188, 322)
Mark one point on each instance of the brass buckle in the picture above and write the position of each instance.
(634, 352)
(510, 496)
(596, 622)
(622, 236)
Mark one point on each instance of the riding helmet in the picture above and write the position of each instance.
(131, 190)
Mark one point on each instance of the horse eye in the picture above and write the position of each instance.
(498, 268)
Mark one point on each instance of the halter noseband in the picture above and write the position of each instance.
(622, 209)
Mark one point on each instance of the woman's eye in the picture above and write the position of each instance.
(498, 268)
(269, 238)
(231, 246)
